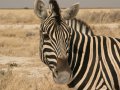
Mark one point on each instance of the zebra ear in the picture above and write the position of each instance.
(71, 12)
(40, 9)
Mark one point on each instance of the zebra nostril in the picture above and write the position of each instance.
(56, 72)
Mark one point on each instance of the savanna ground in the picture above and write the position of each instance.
(20, 66)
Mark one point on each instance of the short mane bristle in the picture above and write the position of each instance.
(56, 10)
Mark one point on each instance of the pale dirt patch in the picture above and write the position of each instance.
(31, 65)
(19, 26)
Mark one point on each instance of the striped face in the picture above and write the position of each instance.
(55, 40)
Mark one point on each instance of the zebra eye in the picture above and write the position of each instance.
(46, 36)
(56, 72)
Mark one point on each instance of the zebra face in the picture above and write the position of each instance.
(54, 49)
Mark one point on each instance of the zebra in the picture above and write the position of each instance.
(68, 15)
(81, 61)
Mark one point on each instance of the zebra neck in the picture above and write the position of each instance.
(76, 46)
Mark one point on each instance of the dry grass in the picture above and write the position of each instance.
(31, 75)
(110, 30)
(12, 81)
(22, 83)
(99, 15)
(19, 42)
(20, 67)
(16, 16)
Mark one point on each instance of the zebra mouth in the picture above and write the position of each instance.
(62, 77)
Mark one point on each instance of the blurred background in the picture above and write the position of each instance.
(63, 4)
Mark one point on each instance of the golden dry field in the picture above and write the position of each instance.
(20, 66)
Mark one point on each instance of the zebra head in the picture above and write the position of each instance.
(41, 10)
(55, 37)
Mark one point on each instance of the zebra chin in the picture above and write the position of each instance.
(63, 77)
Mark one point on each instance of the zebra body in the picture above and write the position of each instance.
(82, 61)
(95, 62)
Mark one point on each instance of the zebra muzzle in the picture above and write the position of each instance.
(62, 77)
(63, 73)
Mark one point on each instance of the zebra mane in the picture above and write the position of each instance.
(83, 22)
(56, 10)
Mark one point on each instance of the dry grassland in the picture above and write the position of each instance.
(20, 66)
(16, 16)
